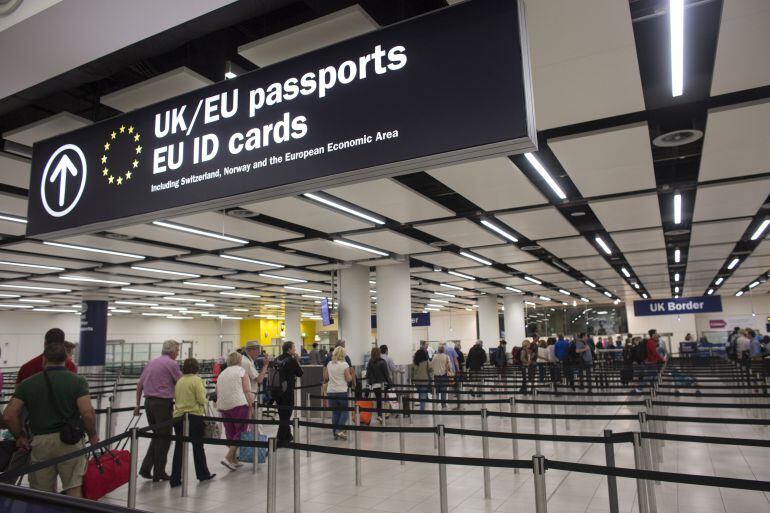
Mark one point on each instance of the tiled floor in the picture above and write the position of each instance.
(328, 481)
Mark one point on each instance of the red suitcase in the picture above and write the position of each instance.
(105, 473)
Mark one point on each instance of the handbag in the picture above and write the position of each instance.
(72, 431)
(105, 473)
(211, 428)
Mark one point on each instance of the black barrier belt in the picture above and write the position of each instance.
(161, 425)
(117, 410)
(559, 417)
(383, 429)
(706, 396)
(207, 441)
(243, 421)
(710, 420)
(451, 401)
(653, 475)
(712, 405)
(748, 442)
(28, 469)
(615, 438)
(584, 403)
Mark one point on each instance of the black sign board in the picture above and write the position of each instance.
(449, 86)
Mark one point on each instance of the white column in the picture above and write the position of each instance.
(489, 323)
(355, 313)
(513, 318)
(394, 311)
(293, 327)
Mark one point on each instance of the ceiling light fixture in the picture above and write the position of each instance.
(733, 263)
(153, 314)
(188, 299)
(93, 250)
(533, 280)
(753, 284)
(719, 281)
(609, 295)
(676, 24)
(545, 175)
(164, 271)
(148, 291)
(530, 303)
(636, 285)
(584, 300)
(677, 256)
(461, 275)
(93, 280)
(499, 230)
(514, 289)
(625, 272)
(676, 290)
(453, 287)
(603, 245)
(475, 257)
(677, 208)
(444, 294)
(758, 233)
(208, 285)
(739, 293)
(439, 300)
(32, 266)
(339, 206)
(590, 283)
(14, 306)
(196, 231)
(565, 292)
(276, 277)
(676, 277)
(644, 295)
(31, 287)
(13, 219)
(29, 300)
(54, 310)
(251, 261)
(545, 298)
(301, 289)
(710, 291)
(135, 303)
(359, 246)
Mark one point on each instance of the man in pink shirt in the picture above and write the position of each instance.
(157, 382)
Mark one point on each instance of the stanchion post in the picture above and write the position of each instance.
(134, 468)
(442, 470)
(108, 426)
(272, 474)
(553, 409)
(536, 419)
(357, 439)
(254, 437)
(307, 419)
(641, 485)
(650, 449)
(401, 441)
(185, 453)
(538, 469)
(433, 415)
(514, 430)
(485, 453)
(612, 482)
(297, 501)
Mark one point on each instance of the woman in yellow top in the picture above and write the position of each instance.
(190, 398)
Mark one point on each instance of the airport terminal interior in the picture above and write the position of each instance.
(187, 186)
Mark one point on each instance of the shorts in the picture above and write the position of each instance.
(46, 447)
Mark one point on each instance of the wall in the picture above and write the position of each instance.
(448, 326)
(264, 330)
(21, 333)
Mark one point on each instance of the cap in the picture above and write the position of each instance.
(252, 344)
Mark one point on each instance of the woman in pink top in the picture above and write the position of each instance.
(234, 402)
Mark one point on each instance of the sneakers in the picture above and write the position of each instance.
(341, 435)
(228, 465)
(238, 464)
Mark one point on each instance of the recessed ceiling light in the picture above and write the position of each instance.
(477, 258)
(301, 289)
(676, 277)
(32, 287)
(565, 292)
(644, 295)
(719, 281)
(499, 230)
(733, 263)
(444, 294)
(603, 245)
(545, 175)
(30, 300)
(676, 26)
(758, 233)
(196, 231)
(208, 285)
(625, 272)
(590, 283)
(677, 208)
(93, 250)
(677, 256)
(184, 299)
(10, 305)
(250, 260)
(54, 310)
(135, 303)
(13, 219)
(359, 246)
(753, 284)
(461, 275)
(93, 280)
(577, 213)
(514, 289)
(545, 298)
(276, 277)
(164, 271)
(148, 291)
(533, 280)
(607, 294)
(710, 291)
(584, 300)
(739, 293)
(32, 266)
(453, 287)
(339, 206)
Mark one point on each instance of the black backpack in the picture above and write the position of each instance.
(641, 352)
(277, 381)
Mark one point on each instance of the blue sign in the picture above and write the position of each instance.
(418, 320)
(93, 333)
(680, 305)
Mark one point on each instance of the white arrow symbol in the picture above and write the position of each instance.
(64, 167)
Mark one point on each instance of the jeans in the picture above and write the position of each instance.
(441, 384)
(199, 456)
(422, 393)
(339, 402)
(158, 410)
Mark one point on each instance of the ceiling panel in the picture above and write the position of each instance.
(717, 232)
(156, 89)
(165, 265)
(505, 254)
(757, 261)
(14, 205)
(324, 31)
(588, 263)
(569, 247)
(437, 276)
(637, 240)
(483, 272)
(534, 268)
(278, 257)
(705, 265)
(628, 213)
(741, 62)
(608, 162)
(176, 237)
(737, 142)
(309, 214)
(327, 248)
(462, 232)
(540, 223)
(41, 249)
(45, 128)
(710, 252)
(725, 201)
(225, 263)
(127, 246)
(392, 241)
(41, 260)
(14, 170)
(11, 228)
(583, 66)
(492, 184)
(244, 228)
(655, 256)
(445, 259)
(391, 199)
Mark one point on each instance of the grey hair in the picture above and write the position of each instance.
(169, 346)
(234, 359)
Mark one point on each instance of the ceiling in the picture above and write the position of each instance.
(602, 93)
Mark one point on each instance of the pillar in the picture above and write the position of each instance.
(513, 318)
(93, 335)
(394, 311)
(354, 312)
(293, 328)
(489, 323)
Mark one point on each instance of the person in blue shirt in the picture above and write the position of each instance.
(561, 351)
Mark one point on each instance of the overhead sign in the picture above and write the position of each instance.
(418, 320)
(449, 86)
(680, 305)
(93, 333)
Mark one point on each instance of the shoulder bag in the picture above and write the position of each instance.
(72, 431)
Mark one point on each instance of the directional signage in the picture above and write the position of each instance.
(680, 305)
(418, 320)
(450, 86)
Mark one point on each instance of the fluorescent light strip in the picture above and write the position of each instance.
(164, 271)
(514, 289)
(710, 291)
(676, 26)
(533, 280)
(25, 300)
(677, 256)
(636, 285)
(154, 314)
(476, 258)
(719, 281)
(439, 301)
(676, 277)
(301, 289)
(359, 246)
(30, 287)
(739, 293)
(196, 231)
(148, 291)
(14, 306)
(544, 298)
(93, 280)
(432, 309)
(461, 275)
(676, 290)
(177, 317)
(584, 300)
(276, 277)
(530, 303)
(135, 303)
(339, 206)
(239, 294)
(54, 310)
(762, 227)
(603, 245)
(565, 292)
(453, 287)
(119, 310)
(208, 285)
(590, 284)
(753, 284)
(13, 219)
(9, 295)
(93, 250)
(607, 294)
(188, 299)
(444, 294)
(625, 272)
(310, 296)
(545, 175)
(433, 305)
(499, 230)
(32, 266)
(173, 308)
(733, 263)
(644, 295)
(251, 261)
(677, 208)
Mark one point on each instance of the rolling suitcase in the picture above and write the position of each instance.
(365, 417)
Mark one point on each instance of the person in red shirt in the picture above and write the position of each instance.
(35, 365)
(653, 356)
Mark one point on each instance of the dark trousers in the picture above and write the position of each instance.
(285, 409)
(555, 373)
(586, 368)
(199, 456)
(378, 400)
(158, 410)
(567, 369)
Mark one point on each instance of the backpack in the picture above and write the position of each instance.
(572, 354)
(277, 382)
(641, 352)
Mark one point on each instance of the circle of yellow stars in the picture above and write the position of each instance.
(132, 134)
